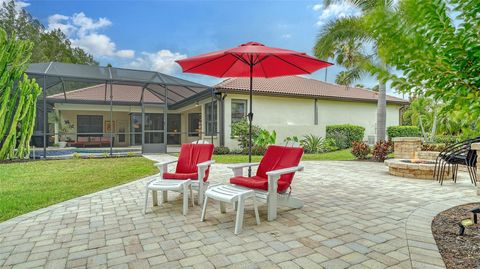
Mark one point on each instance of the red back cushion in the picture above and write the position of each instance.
(193, 154)
(278, 157)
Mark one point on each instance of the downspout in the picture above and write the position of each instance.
(222, 118)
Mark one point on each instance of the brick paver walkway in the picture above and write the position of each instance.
(355, 215)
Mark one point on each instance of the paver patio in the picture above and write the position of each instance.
(355, 215)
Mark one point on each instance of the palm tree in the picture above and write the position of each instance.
(347, 36)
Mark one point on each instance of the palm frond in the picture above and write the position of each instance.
(337, 32)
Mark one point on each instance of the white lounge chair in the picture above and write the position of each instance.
(273, 178)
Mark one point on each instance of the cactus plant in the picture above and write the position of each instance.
(18, 98)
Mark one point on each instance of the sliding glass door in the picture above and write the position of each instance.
(154, 129)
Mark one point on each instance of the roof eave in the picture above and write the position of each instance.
(337, 98)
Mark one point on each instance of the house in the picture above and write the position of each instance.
(291, 106)
(296, 106)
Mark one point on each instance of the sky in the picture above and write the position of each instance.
(152, 34)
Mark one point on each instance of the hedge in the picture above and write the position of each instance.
(403, 131)
(345, 134)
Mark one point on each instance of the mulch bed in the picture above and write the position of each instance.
(458, 252)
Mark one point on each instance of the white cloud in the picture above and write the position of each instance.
(18, 4)
(317, 7)
(161, 61)
(83, 32)
(286, 36)
(335, 10)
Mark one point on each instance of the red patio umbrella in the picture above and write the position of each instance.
(252, 59)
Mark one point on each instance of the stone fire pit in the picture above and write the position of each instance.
(411, 168)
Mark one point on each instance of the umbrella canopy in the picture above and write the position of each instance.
(252, 59)
(266, 62)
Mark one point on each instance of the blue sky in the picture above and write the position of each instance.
(152, 34)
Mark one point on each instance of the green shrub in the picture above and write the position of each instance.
(312, 143)
(330, 145)
(221, 150)
(403, 131)
(256, 150)
(360, 150)
(240, 132)
(446, 139)
(265, 138)
(291, 138)
(345, 134)
(381, 150)
(76, 155)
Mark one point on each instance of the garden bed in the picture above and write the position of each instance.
(457, 251)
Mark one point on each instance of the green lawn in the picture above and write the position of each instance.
(340, 155)
(27, 186)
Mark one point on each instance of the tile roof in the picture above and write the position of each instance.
(302, 87)
(121, 94)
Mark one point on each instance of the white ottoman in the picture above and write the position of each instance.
(231, 194)
(181, 186)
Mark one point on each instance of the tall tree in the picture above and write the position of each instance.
(49, 45)
(363, 47)
(437, 46)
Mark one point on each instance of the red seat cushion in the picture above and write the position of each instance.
(190, 156)
(258, 183)
(192, 176)
(276, 157)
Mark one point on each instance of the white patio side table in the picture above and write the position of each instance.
(231, 194)
(181, 186)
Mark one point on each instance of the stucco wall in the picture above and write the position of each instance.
(295, 116)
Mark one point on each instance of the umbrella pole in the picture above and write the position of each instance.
(250, 119)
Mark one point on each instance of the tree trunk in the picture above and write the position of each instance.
(381, 111)
(434, 126)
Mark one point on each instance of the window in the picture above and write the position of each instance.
(239, 110)
(194, 124)
(208, 118)
(90, 124)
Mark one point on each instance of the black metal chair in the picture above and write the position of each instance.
(453, 156)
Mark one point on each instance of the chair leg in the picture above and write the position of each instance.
(201, 193)
(255, 207)
(155, 198)
(474, 170)
(191, 195)
(239, 219)
(146, 201)
(164, 196)
(204, 209)
(222, 208)
(272, 207)
(442, 173)
(185, 199)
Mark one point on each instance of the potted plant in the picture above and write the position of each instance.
(64, 128)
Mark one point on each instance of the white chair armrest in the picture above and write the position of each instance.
(284, 171)
(160, 164)
(242, 165)
(163, 167)
(274, 176)
(205, 164)
(238, 168)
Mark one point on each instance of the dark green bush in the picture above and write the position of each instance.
(345, 134)
(256, 150)
(221, 150)
(403, 131)
(240, 132)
